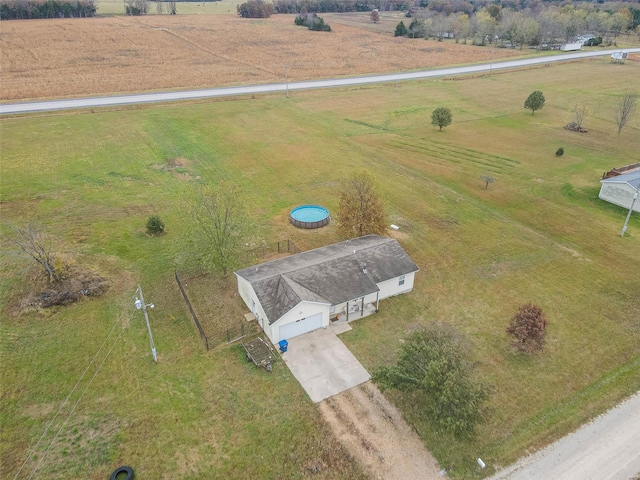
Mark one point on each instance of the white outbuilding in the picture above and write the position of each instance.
(303, 292)
(620, 189)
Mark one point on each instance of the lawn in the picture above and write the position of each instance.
(538, 233)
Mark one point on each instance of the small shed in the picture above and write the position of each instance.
(571, 47)
(620, 189)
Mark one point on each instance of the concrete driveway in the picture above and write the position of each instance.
(323, 365)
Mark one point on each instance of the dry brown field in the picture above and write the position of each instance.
(113, 55)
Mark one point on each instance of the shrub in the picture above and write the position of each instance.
(155, 226)
(560, 152)
(594, 42)
(312, 22)
(528, 327)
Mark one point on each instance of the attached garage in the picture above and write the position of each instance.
(298, 294)
(300, 326)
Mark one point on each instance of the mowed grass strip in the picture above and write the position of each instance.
(538, 234)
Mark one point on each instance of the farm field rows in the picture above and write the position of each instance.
(97, 56)
(538, 233)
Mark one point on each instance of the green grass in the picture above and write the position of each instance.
(539, 233)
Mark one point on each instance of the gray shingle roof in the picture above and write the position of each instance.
(632, 179)
(332, 274)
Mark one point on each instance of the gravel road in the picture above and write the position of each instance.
(608, 448)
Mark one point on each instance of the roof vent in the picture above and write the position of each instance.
(354, 252)
(364, 268)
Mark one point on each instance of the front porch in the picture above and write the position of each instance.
(354, 311)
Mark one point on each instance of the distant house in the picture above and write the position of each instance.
(584, 38)
(301, 293)
(620, 189)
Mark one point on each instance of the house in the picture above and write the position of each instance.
(297, 294)
(584, 38)
(620, 189)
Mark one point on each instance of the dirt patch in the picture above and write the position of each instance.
(177, 166)
(374, 432)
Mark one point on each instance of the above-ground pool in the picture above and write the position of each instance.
(309, 216)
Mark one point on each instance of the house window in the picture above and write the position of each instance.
(401, 280)
(332, 309)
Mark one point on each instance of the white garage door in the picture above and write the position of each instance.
(301, 326)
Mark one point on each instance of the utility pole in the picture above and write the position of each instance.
(286, 78)
(140, 305)
(633, 202)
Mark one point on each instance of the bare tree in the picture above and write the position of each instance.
(159, 6)
(221, 227)
(487, 180)
(34, 243)
(360, 211)
(171, 5)
(580, 114)
(624, 109)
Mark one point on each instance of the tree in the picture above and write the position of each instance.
(375, 16)
(528, 328)
(360, 210)
(171, 5)
(535, 101)
(401, 30)
(155, 226)
(255, 9)
(580, 114)
(434, 365)
(624, 109)
(34, 243)
(136, 7)
(441, 117)
(221, 227)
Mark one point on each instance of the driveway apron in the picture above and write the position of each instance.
(323, 365)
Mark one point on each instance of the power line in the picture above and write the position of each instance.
(74, 407)
(35, 447)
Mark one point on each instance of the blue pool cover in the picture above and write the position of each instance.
(309, 213)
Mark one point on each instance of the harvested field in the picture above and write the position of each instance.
(83, 57)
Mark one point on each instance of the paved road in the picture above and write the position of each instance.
(281, 87)
(608, 448)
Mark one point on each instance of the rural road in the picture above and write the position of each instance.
(608, 448)
(52, 105)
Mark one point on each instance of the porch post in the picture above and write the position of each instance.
(377, 300)
(362, 307)
(347, 312)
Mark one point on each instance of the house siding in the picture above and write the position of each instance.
(389, 288)
(248, 295)
(620, 194)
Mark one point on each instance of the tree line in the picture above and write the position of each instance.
(539, 24)
(33, 9)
